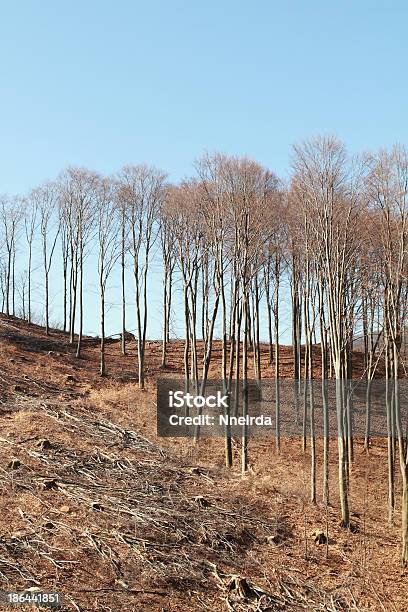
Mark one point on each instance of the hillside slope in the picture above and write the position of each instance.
(93, 505)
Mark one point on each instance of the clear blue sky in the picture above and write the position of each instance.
(102, 83)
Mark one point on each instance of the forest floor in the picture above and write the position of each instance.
(94, 505)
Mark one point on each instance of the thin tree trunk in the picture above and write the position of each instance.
(244, 438)
(102, 295)
(29, 280)
(122, 263)
(226, 383)
(14, 281)
(81, 302)
(345, 518)
(165, 319)
(277, 364)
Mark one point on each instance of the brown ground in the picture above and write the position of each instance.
(95, 506)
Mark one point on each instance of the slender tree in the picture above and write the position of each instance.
(45, 199)
(141, 191)
(388, 189)
(11, 214)
(109, 248)
(78, 194)
(327, 185)
(30, 227)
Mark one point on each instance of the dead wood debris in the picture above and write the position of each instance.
(126, 510)
(241, 594)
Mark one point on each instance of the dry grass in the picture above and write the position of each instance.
(159, 524)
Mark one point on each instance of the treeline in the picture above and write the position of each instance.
(338, 232)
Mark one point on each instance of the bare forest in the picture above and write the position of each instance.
(299, 280)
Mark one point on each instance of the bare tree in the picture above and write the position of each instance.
(327, 187)
(388, 190)
(108, 251)
(78, 189)
(141, 190)
(45, 200)
(30, 226)
(213, 173)
(11, 214)
(250, 189)
(182, 207)
(169, 253)
(22, 293)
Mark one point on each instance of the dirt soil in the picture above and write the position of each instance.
(95, 506)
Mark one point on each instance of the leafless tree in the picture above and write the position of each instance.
(45, 200)
(78, 189)
(327, 185)
(169, 253)
(141, 190)
(11, 214)
(182, 208)
(30, 226)
(22, 293)
(108, 220)
(388, 191)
